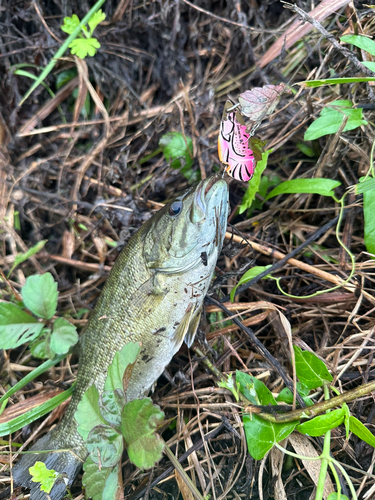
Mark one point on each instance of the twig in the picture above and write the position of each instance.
(260, 348)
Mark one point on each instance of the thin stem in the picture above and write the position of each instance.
(326, 457)
(348, 480)
(300, 457)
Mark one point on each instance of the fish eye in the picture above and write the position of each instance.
(175, 208)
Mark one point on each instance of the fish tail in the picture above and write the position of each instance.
(66, 463)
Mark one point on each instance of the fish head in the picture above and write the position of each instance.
(189, 230)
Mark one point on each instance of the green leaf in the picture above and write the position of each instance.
(70, 24)
(101, 483)
(254, 390)
(249, 275)
(361, 42)
(21, 257)
(40, 295)
(230, 384)
(254, 183)
(39, 349)
(105, 445)
(96, 19)
(305, 149)
(16, 326)
(361, 431)
(311, 371)
(335, 496)
(323, 423)
(32, 415)
(262, 435)
(64, 336)
(368, 213)
(345, 407)
(140, 419)
(64, 77)
(370, 65)
(335, 81)
(82, 47)
(365, 186)
(46, 477)
(324, 187)
(121, 361)
(286, 395)
(331, 119)
(111, 404)
(176, 147)
(88, 413)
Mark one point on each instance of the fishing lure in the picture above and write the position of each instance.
(233, 145)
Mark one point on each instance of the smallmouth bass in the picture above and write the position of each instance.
(153, 295)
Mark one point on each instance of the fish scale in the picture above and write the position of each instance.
(153, 295)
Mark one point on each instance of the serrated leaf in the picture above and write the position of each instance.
(259, 102)
(176, 146)
(70, 24)
(105, 445)
(96, 19)
(101, 484)
(16, 326)
(83, 47)
(64, 336)
(21, 257)
(368, 213)
(46, 477)
(40, 295)
(253, 186)
(330, 121)
(361, 42)
(323, 187)
(140, 419)
(361, 431)
(88, 413)
(311, 371)
(262, 435)
(111, 404)
(319, 425)
(249, 275)
(121, 361)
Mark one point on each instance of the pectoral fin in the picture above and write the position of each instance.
(187, 328)
(192, 328)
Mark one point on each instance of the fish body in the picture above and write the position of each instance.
(153, 295)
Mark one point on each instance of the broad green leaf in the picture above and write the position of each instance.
(70, 24)
(370, 65)
(175, 147)
(340, 103)
(249, 275)
(335, 81)
(46, 477)
(16, 326)
(286, 395)
(88, 413)
(140, 419)
(253, 185)
(96, 19)
(39, 349)
(64, 77)
(121, 361)
(311, 371)
(101, 483)
(262, 435)
(361, 42)
(323, 187)
(30, 416)
(368, 213)
(111, 404)
(254, 390)
(361, 431)
(305, 149)
(40, 295)
(21, 257)
(365, 186)
(105, 445)
(64, 336)
(82, 47)
(335, 496)
(330, 121)
(322, 423)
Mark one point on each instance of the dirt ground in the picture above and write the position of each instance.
(75, 161)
